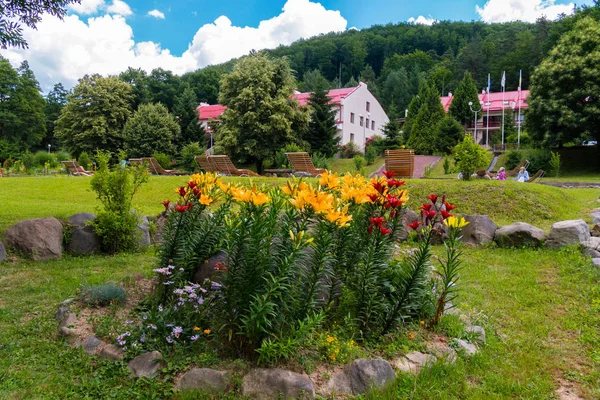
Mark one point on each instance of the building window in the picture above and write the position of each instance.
(368, 123)
(373, 125)
(368, 106)
(352, 137)
(352, 117)
(362, 121)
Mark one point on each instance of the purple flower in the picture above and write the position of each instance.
(168, 283)
(200, 300)
(129, 322)
(215, 285)
(143, 339)
(152, 326)
(194, 338)
(177, 331)
(170, 325)
(160, 308)
(169, 339)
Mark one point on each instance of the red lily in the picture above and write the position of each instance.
(181, 208)
(395, 183)
(393, 213)
(384, 231)
(182, 191)
(378, 186)
(449, 207)
(388, 174)
(414, 225)
(192, 184)
(190, 205)
(394, 201)
(370, 229)
(431, 214)
(377, 221)
(373, 197)
(196, 191)
(166, 204)
(433, 198)
(426, 207)
(446, 214)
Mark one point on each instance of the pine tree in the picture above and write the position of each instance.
(185, 111)
(449, 133)
(423, 133)
(55, 101)
(413, 110)
(321, 133)
(465, 92)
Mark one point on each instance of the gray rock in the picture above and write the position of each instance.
(443, 351)
(519, 234)
(206, 270)
(338, 384)
(566, 233)
(301, 174)
(589, 253)
(40, 239)
(469, 348)
(478, 331)
(595, 214)
(146, 365)
(479, 231)
(161, 221)
(81, 219)
(367, 374)
(144, 232)
(268, 384)
(83, 241)
(596, 262)
(414, 361)
(66, 324)
(593, 243)
(111, 352)
(61, 312)
(67, 301)
(595, 231)
(2, 252)
(407, 217)
(90, 344)
(205, 379)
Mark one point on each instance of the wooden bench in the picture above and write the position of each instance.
(223, 165)
(301, 162)
(157, 169)
(401, 162)
(75, 169)
(205, 164)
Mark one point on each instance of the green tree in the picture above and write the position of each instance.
(449, 133)
(424, 131)
(185, 111)
(138, 79)
(30, 105)
(321, 133)
(469, 157)
(95, 114)
(55, 101)
(465, 92)
(9, 81)
(206, 82)
(164, 87)
(413, 110)
(260, 115)
(151, 129)
(564, 103)
(314, 81)
(396, 90)
(14, 13)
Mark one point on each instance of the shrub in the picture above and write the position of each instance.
(27, 159)
(320, 160)
(281, 160)
(188, 154)
(513, 158)
(469, 157)
(538, 159)
(163, 159)
(359, 163)
(62, 156)
(555, 163)
(349, 150)
(116, 222)
(85, 161)
(40, 158)
(370, 155)
(446, 165)
(104, 295)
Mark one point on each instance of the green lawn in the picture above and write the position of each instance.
(343, 165)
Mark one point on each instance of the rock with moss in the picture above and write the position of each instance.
(480, 231)
(566, 233)
(519, 234)
(39, 239)
(204, 379)
(146, 365)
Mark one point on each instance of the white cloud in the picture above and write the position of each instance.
(521, 10)
(421, 20)
(156, 14)
(64, 51)
(87, 6)
(120, 7)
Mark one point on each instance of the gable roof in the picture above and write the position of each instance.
(206, 112)
(494, 100)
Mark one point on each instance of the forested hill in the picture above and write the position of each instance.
(394, 58)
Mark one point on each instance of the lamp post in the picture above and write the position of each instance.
(475, 111)
(49, 145)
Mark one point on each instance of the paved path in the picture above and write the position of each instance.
(419, 169)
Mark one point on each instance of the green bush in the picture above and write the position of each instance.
(40, 158)
(116, 222)
(104, 295)
(555, 163)
(513, 158)
(359, 163)
(349, 150)
(446, 165)
(370, 155)
(188, 156)
(85, 161)
(62, 156)
(163, 159)
(320, 160)
(27, 160)
(538, 159)
(281, 160)
(469, 157)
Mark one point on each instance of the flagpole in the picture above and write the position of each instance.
(487, 129)
(519, 106)
(503, 89)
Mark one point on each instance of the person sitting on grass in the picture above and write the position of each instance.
(501, 174)
(523, 175)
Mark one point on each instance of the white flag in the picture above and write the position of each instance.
(520, 79)
(503, 82)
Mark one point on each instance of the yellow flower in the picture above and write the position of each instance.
(196, 328)
(205, 200)
(455, 222)
(259, 198)
(411, 335)
(340, 218)
(207, 331)
(329, 180)
(330, 339)
(422, 322)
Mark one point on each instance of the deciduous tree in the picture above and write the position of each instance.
(151, 129)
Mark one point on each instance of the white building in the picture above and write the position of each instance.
(359, 115)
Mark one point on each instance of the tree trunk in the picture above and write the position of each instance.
(259, 166)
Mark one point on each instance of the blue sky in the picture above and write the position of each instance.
(108, 36)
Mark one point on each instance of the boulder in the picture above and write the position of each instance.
(2, 252)
(519, 234)
(414, 361)
(479, 231)
(111, 352)
(204, 379)
(478, 331)
(143, 227)
(83, 241)
(469, 348)
(596, 262)
(366, 374)
(61, 313)
(90, 344)
(589, 253)
(268, 384)
(595, 214)
(566, 233)
(146, 365)
(40, 239)
(207, 269)
(407, 217)
(81, 219)
(593, 243)
(338, 384)
(442, 351)
(595, 231)
(66, 324)
(160, 222)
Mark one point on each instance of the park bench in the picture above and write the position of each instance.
(515, 170)
(155, 167)
(224, 166)
(400, 162)
(75, 169)
(301, 162)
(538, 176)
(205, 164)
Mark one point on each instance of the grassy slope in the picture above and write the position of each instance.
(505, 202)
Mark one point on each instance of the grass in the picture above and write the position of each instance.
(342, 165)
(540, 310)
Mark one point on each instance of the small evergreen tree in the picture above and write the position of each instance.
(321, 134)
(185, 111)
(423, 134)
(413, 110)
(465, 92)
(449, 133)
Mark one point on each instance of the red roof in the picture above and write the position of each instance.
(207, 112)
(494, 100)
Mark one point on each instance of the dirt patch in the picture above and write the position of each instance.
(567, 390)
